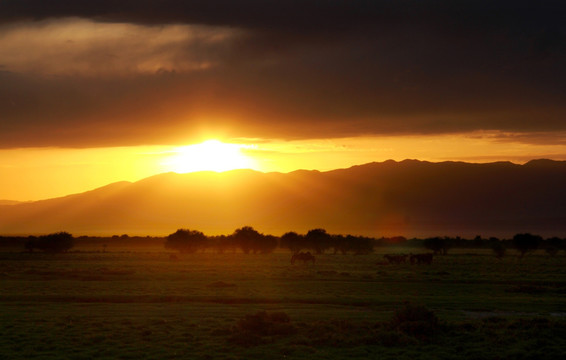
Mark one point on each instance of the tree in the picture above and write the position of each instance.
(361, 245)
(267, 244)
(553, 246)
(292, 241)
(341, 243)
(186, 241)
(30, 243)
(526, 242)
(318, 240)
(498, 249)
(437, 245)
(52, 243)
(248, 239)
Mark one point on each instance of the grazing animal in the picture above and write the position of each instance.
(421, 259)
(304, 257)
(396, 259)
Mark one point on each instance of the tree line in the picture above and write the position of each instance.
(248, 240)
(523, 243)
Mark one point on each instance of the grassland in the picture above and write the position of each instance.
(143, 305)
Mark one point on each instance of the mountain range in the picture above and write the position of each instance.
(409, 198)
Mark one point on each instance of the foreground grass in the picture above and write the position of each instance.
(143, 305)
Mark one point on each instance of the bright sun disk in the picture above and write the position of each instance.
(211, 155)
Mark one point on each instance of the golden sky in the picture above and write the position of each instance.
(40, 173)
(93, 93)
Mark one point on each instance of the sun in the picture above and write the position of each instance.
(211, 155)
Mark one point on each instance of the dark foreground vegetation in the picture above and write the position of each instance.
(249, 241)
(140, 304)
(412, 330)
(185, 296)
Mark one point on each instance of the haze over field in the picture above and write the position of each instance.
(409, 198)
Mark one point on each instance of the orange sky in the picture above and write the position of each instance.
(39, 173)
(93, 93)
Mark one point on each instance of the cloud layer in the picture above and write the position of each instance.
(138, 72)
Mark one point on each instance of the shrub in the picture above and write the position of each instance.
(52, 243)
(415, 320)
(526, 242)
(252, 329)
(186, 241)
(498, 249)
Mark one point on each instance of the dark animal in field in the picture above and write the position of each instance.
(421, 259)
(304, 257)
(395, 259)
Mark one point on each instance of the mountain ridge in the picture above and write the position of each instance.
(410, 198)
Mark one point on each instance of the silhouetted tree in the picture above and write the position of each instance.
(267, 244)
(248, 239)
(526, 242)
(186, 241)
(222, 243)
(360, 245)
(553, 245)
(318, 240)
(292, 241)
(30, 243)
(478, 242)
(437, 244)
(52, 243)
(340, 243)
(498, 249)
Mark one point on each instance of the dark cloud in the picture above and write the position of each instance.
(304, 69)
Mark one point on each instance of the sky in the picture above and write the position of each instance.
(98, 92)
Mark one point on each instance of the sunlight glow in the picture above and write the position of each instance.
(211, 155)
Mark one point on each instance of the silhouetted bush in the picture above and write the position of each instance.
(415, 320)
(360, 245)
(186, 241)
(222, 243)
(498, 249)
(292, 241)
(250, 240)
(29, 245)
(253, 329)
(56, 243)
(52, 243)
(267, 244)
(526, 242)
(318, 240)
(438, 245)
(553, 245)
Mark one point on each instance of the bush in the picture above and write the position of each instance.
(186, 241)
(415, 320)
(252, 329)
(251, 241)
(526, 242)
(498, 249)
(52, 243)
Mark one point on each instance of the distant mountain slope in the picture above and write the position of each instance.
(9, 202)
(411, 198)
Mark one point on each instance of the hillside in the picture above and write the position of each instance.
(411, 198)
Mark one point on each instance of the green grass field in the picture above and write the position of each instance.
(143, 305)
